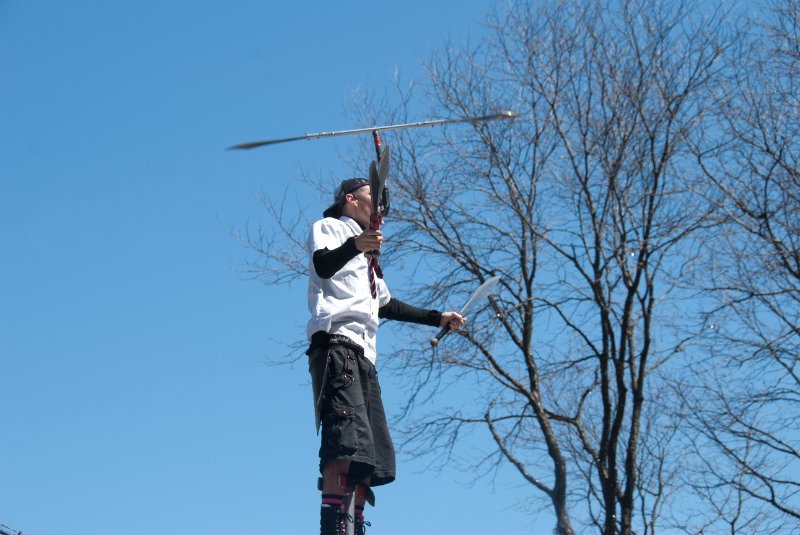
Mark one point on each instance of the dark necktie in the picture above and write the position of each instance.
(374, 270)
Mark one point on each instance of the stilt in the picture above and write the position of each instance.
(350, 509)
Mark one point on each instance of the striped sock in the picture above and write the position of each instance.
(333, 500)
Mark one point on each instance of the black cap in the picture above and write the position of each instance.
(346, 186)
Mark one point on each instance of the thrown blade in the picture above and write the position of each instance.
(256, 144)
(435, 122)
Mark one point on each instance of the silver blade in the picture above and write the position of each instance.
(377, 178)
(483, 291)
(375, 186)
(383, 165)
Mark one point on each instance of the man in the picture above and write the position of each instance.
(346, 298)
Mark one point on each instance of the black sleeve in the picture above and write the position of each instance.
(397, 310)
(327, 262)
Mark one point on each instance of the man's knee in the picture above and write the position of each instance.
(337, 479)
(334, 478)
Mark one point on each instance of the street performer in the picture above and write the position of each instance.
(346, 298)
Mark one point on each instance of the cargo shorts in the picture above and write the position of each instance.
(349, 409)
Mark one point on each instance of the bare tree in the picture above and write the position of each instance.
(747, 405)
(599, 206)
(587, 209)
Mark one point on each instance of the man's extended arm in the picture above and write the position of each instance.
(398, 310)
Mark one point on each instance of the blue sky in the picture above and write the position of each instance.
(135, 393)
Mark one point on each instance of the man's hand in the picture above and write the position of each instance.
(452, 320)
(369, 240)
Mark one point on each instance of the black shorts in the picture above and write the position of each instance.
(353, 421)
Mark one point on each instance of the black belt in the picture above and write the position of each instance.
(322, 338)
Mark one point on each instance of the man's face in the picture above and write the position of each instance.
(359, 206)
